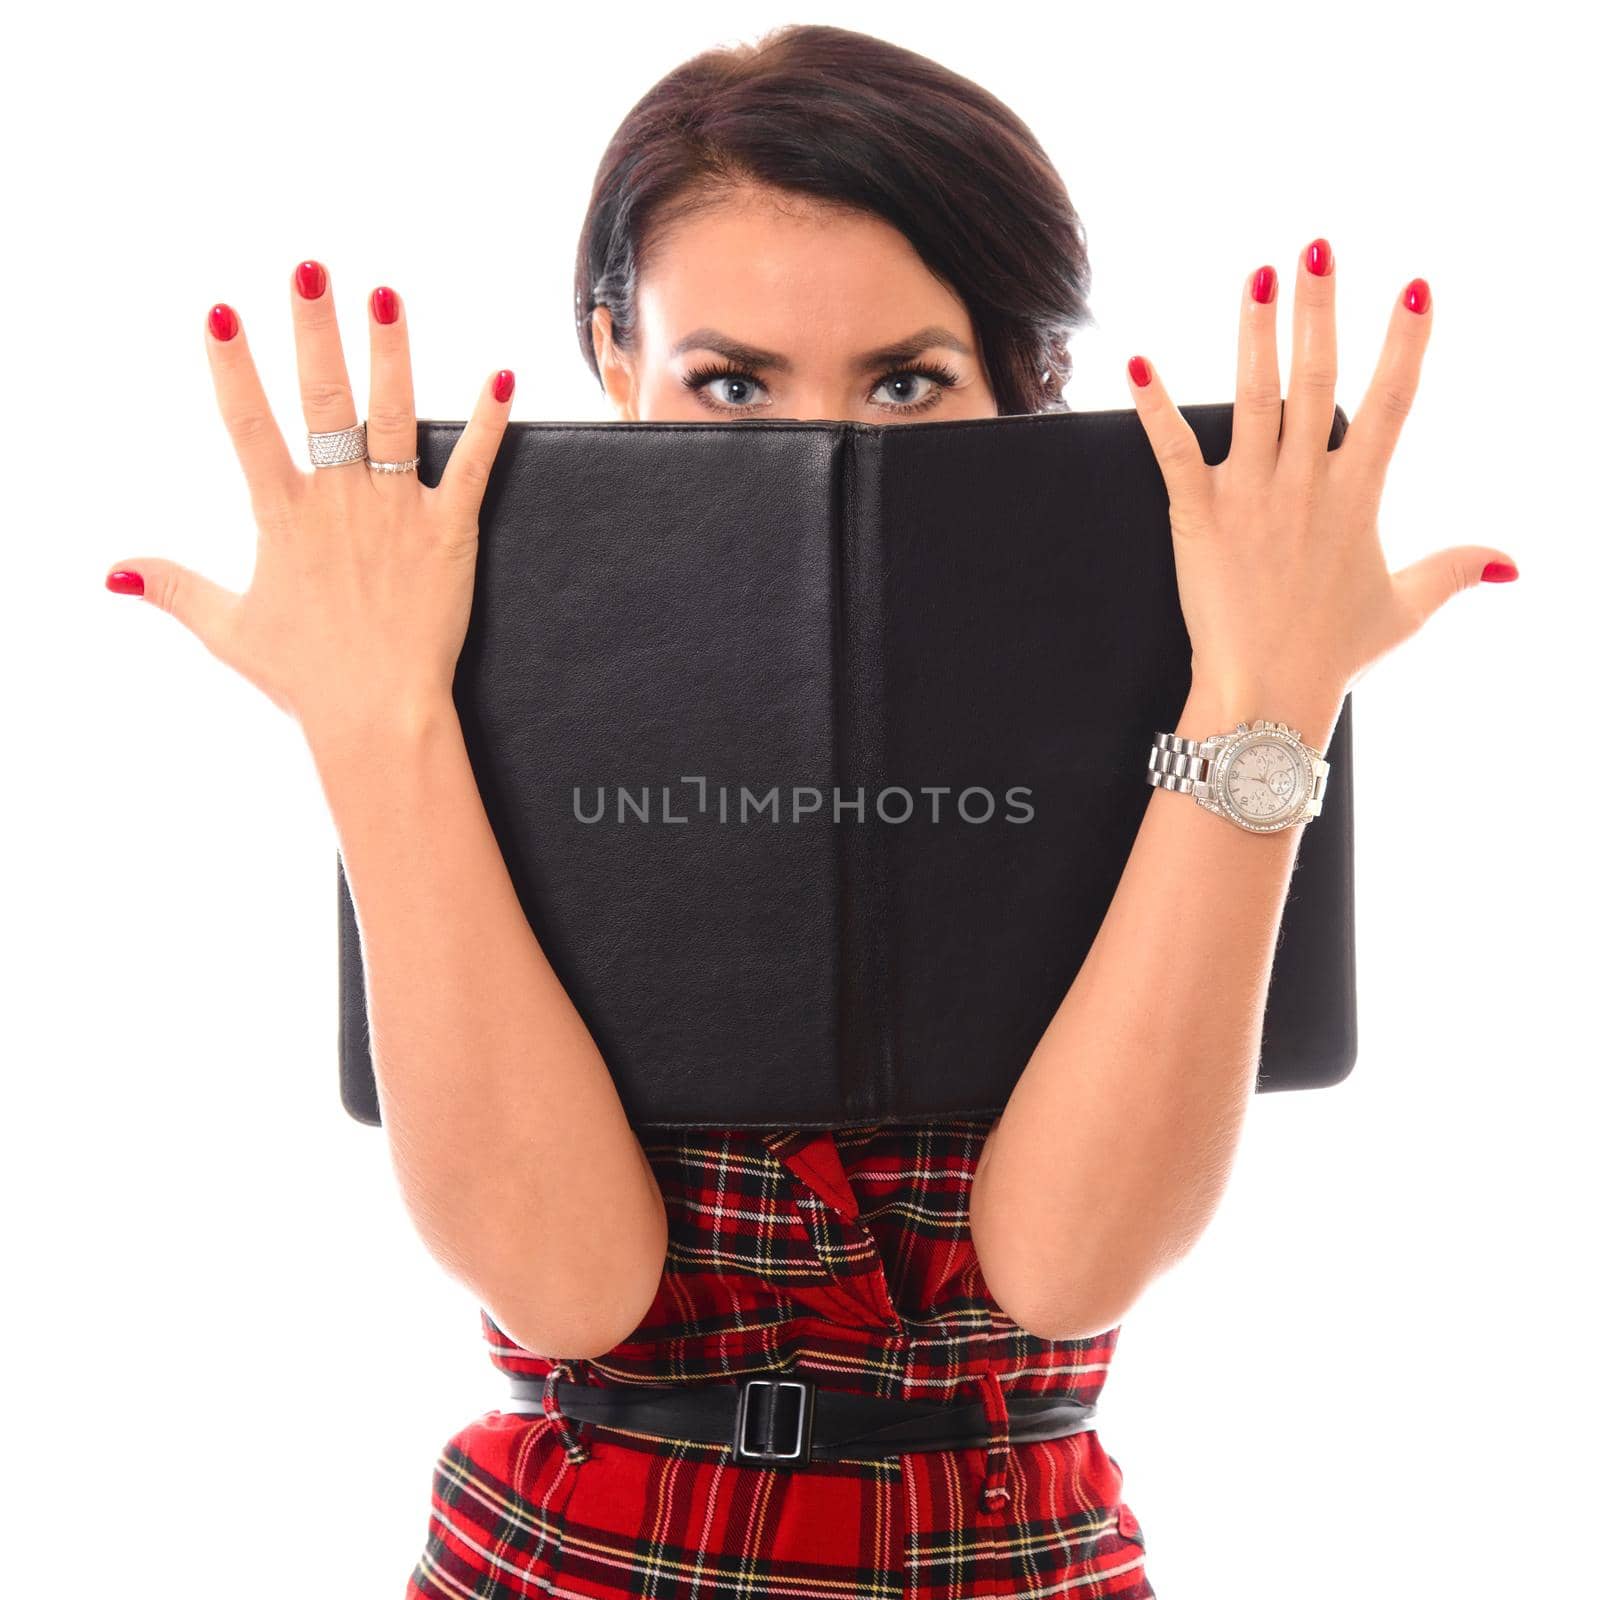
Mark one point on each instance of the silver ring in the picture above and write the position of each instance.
(336, 448)
(394, 466)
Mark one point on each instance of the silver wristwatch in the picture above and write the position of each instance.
(1259, 775)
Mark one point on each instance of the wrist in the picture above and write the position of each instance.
(1215, 706)
(345, 734)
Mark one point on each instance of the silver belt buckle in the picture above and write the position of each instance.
(774, 1429)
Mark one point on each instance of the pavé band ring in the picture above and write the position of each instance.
(337, 448)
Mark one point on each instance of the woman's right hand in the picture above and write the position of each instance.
(362, 589)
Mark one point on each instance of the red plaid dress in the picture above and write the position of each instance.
(845, 1254)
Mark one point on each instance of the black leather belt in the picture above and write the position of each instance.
(786, 1420)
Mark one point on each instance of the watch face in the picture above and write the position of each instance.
(1262, 780)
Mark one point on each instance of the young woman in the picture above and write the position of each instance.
(818, 226)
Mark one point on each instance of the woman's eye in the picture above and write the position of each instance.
(902, 388)
(737, 396)
(911, 390)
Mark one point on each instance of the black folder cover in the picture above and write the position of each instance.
(703, 630)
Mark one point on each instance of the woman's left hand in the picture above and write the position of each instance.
(1281, 574)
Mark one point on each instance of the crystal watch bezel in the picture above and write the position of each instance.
(1231, 747)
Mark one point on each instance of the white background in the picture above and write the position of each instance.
(229, 1362)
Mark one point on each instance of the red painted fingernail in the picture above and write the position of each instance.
(1139, 371)
(224, 324)
(310, 279)
(385, 305)
(1319, 258)
(504, 382)
(1417, 295)
(1266, 282)
(121, 582)
(1500, 572)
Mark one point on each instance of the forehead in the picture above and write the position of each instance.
(789, 275)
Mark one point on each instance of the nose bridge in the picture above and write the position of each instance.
(815, 398)
(818, 411)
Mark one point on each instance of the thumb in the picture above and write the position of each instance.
(1425, 585)
(203, 607)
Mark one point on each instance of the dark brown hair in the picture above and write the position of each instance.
(847, 119)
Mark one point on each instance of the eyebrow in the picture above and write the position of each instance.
(907, 349)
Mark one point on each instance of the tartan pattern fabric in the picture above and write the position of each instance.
(845, 1254)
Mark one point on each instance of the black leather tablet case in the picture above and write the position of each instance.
(670, 615)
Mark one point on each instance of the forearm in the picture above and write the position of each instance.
(513, 1152)
(1114, 1148)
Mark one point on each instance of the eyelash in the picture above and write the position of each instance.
(697, 378)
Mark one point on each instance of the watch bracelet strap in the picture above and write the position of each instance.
(1177, 763)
